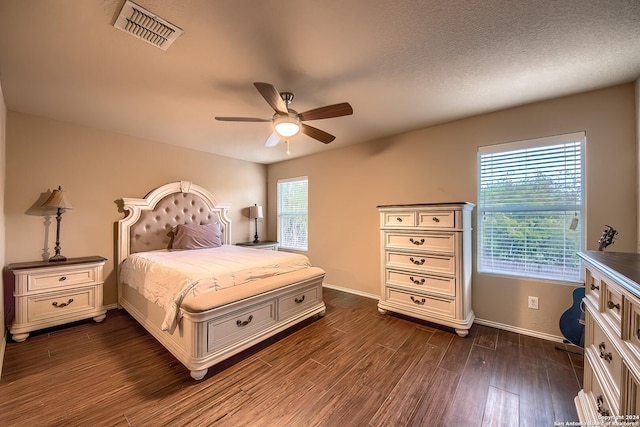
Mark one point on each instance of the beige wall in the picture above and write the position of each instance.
(96, 168)
(438, 164)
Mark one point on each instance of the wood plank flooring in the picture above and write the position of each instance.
(353, 367)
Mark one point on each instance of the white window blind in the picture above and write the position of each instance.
(293, 213)
(531, 207)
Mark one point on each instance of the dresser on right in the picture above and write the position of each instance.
(426, 262)
(611, 388)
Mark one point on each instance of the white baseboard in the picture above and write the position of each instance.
(522, 331)
(490, 323)
(351, 291)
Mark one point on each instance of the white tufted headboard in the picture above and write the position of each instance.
(150, 221)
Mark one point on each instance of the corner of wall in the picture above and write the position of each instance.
(3, 120)
(637, 87)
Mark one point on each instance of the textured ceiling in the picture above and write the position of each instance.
(401, 64)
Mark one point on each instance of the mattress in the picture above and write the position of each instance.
(166, 277)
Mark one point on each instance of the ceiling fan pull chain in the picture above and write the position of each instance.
(288, 151)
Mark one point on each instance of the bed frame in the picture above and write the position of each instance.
(222, 323)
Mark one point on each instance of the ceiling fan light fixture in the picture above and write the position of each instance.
(286, 126)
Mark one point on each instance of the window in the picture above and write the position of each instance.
(293, 221)
(531, 207)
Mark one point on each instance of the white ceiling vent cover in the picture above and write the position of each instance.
(144, 25)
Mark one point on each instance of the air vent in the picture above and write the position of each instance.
(144, 25)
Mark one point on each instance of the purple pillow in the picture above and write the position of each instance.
(194, 236)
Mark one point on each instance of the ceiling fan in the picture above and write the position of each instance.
(288, 122)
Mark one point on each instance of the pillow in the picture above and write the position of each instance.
(195, 236)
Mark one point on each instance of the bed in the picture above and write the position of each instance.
(204, 302)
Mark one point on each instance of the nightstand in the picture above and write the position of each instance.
(268, 245)
(54, 293)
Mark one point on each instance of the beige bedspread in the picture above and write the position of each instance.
(167, 277)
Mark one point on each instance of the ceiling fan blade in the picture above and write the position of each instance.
(271, 95)
(316, 133)
(241, 119)
(335, 110)
(273, 140)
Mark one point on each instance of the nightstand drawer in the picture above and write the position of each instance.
(60, 278)
(51, 305)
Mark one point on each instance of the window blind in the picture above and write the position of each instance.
(293, 213)
(531, 207)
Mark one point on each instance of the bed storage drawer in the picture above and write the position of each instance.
(240, 324)
(296, 302)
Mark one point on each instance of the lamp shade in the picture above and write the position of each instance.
(57, 200)
(287, 126)
(255, 212)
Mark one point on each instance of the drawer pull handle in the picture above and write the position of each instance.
(399, 219)
(64, 304)
(416, 242)
(299, 300)
(638, 333)
(607, 357)
(435, 219)
(601, 410)
(416, 262)
(240, 323)
(417, 282)
(418, 301)
(594, 287)
(612, 305)
(62, 279)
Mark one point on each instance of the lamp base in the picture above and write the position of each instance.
(57, 258)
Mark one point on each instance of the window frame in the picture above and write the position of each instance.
(571, 268)
(284, 243)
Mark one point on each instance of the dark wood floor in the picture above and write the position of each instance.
(353, 367)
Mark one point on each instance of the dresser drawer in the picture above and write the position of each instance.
(601, 401)
(240, 324)
(433, 242)
(49, 306)
(438, 219)
(611, 304)
(399, 219)
(634, 329)
(439, 306)
(608, 357)
(291, 304)
(422, 262)
(422, 282)
(592, 286)
(57, 278)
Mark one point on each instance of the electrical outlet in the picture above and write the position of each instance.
(533, 303)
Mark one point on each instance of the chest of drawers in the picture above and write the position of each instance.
(54, 293)
(426, 262)
(611, 386)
